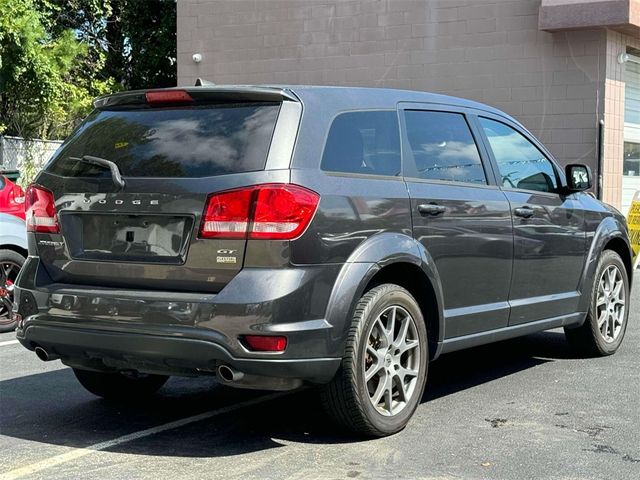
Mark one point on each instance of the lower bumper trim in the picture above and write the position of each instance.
(161, 354)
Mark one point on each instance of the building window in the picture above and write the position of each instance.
(631, 151)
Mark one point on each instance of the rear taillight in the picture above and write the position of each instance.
(269, 212)
(41, 210)
(16, 196)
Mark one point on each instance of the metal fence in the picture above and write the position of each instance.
(16, 153)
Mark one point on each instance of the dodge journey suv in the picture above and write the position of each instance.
(280, 236)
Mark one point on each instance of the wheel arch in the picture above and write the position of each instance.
(388, 258)
(15, 248)
(611, 234)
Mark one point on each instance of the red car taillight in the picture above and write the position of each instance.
(41, 210)
(268, 212)
(16, 195)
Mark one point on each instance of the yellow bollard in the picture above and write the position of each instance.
(633, 220)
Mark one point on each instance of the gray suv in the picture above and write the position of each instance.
(281, 236)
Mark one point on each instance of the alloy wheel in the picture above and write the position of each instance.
(610, 303)
(392, 360)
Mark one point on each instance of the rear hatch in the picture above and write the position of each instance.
(138, 225)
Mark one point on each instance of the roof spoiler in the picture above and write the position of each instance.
(201, 94)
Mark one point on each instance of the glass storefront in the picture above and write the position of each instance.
(631, 155)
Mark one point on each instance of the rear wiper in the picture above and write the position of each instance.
(101, 162)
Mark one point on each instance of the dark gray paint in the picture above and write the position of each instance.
(494, 276)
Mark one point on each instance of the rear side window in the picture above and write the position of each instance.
(172, 142)
(443, 147)
(363, 142)
(520, 163)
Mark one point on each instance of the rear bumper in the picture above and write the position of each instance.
(178, 333)
(162, 354)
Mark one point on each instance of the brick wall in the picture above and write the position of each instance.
(614, 116)
(490, 51)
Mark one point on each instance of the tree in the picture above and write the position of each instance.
(40, 95)
(57, 55)
(146, 41)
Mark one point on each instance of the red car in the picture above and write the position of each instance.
(11, 197)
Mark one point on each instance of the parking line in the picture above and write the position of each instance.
(82, 452)
(8, 342)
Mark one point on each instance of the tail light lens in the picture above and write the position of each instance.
(163, 97)
(16, 196)
(41, 210)
(264, 343)
(269, 212)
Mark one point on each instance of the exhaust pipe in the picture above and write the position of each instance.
(45, 356)
(228, 374)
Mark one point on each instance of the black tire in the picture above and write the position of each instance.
(588, 339)
(15, 259)
(347, 396)
(117, 386)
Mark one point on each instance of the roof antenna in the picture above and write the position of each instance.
(201, 82)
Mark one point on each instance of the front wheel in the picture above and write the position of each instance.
(383, 372)
(606, 322)
(120, 386)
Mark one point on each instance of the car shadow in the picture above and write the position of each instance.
(52, 408)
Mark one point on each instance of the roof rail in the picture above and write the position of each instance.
(201, 82)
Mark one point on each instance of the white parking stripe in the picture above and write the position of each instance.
(81, 452)
(8, 342)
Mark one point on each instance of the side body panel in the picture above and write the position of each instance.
(549, 246)
(471, 239)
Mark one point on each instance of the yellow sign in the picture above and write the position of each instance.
(633, 220)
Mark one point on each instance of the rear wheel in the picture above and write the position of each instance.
(120, 386)
(606, 322)
(10, 264)
(383, 373)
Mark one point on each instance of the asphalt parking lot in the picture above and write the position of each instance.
(527, 408)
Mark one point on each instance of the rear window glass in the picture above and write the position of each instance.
(363, 142)
(172, 142)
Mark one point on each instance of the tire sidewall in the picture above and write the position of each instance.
(391, 295)
(19, 259)
(608, 258)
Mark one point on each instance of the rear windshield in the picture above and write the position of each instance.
(171, 142)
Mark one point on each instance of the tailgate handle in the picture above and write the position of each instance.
(104, 163)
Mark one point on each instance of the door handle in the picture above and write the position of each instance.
(431, 209)
(524, 212)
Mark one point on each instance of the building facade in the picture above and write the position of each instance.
(569, 70)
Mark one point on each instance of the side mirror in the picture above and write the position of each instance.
(578, 177)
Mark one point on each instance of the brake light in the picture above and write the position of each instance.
(264, 343)
(16, 195)
(41, 210)
(268, 212)
(227, 214)
(162, 97)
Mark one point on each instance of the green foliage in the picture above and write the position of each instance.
(41, 91)
(147, 42)
(57, 55)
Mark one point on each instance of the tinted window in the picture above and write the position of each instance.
(443, 147)
(520, 162)
(172, 142)
(363, 142)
